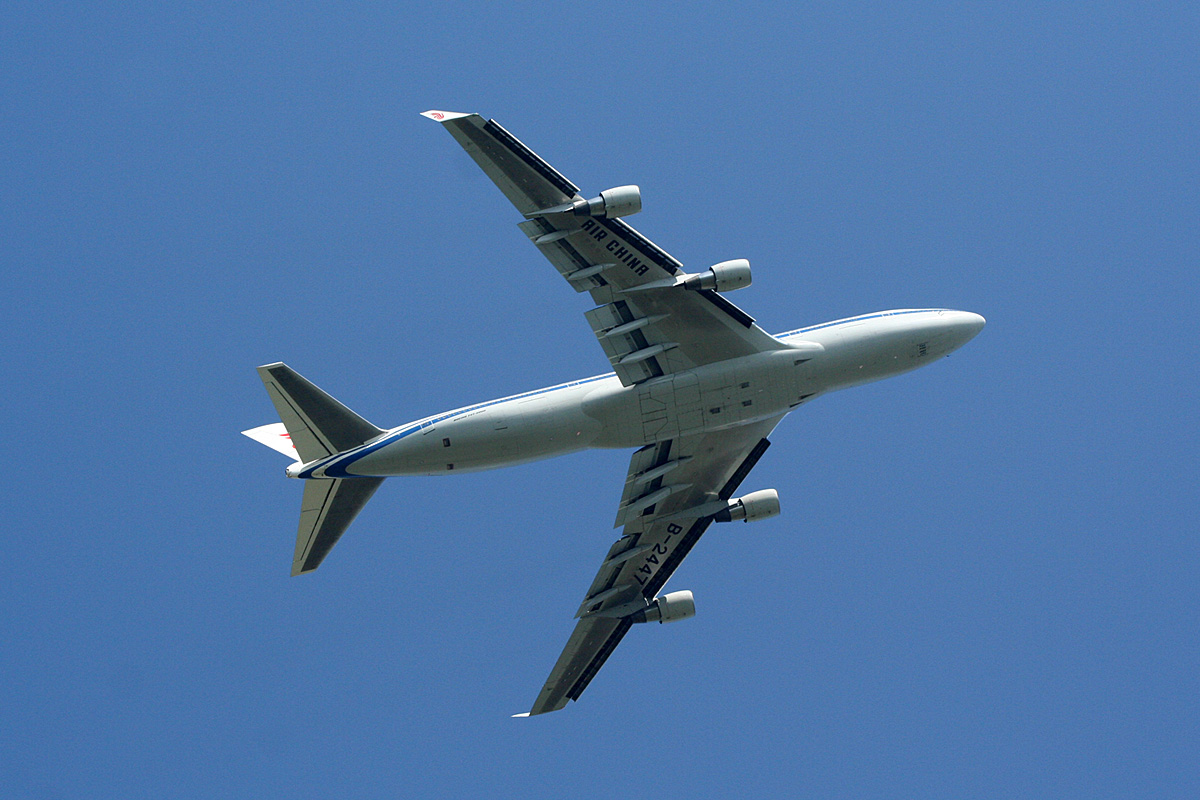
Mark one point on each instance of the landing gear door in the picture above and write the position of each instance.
(689, 409)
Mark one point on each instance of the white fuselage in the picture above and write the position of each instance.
(601, 412)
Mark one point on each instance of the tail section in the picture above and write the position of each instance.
(315, 426)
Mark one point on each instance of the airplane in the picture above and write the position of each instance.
(696, 388)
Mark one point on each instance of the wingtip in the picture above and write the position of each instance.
(443, 116)
(520, 716)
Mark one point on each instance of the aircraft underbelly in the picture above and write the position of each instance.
(872, 351)
(508, 433)
(709, 398)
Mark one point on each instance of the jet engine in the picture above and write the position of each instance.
(751, 507)
(620, 201)
(724, 277)
(670, 607)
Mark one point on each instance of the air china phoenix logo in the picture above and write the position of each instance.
(439, 116)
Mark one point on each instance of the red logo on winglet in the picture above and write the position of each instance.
(439, 116)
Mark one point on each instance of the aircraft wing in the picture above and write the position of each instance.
(672, 491)
(645, 328)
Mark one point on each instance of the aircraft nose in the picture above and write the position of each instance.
(965, 326)
(973, 322)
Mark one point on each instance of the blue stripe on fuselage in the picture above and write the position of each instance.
(335, 466)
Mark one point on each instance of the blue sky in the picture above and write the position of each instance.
(984, 582)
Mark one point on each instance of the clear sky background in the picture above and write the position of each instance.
(984, 581)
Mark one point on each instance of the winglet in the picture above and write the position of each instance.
(443, 116)
(518, 716)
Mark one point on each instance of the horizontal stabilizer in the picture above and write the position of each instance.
(328, 508)
(319, 425)
(316, 426)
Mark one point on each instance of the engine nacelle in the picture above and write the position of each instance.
(751, 507)
(727, 276)
(620, 201)
(670, 607)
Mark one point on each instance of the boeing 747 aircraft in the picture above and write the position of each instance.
(696, 387)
